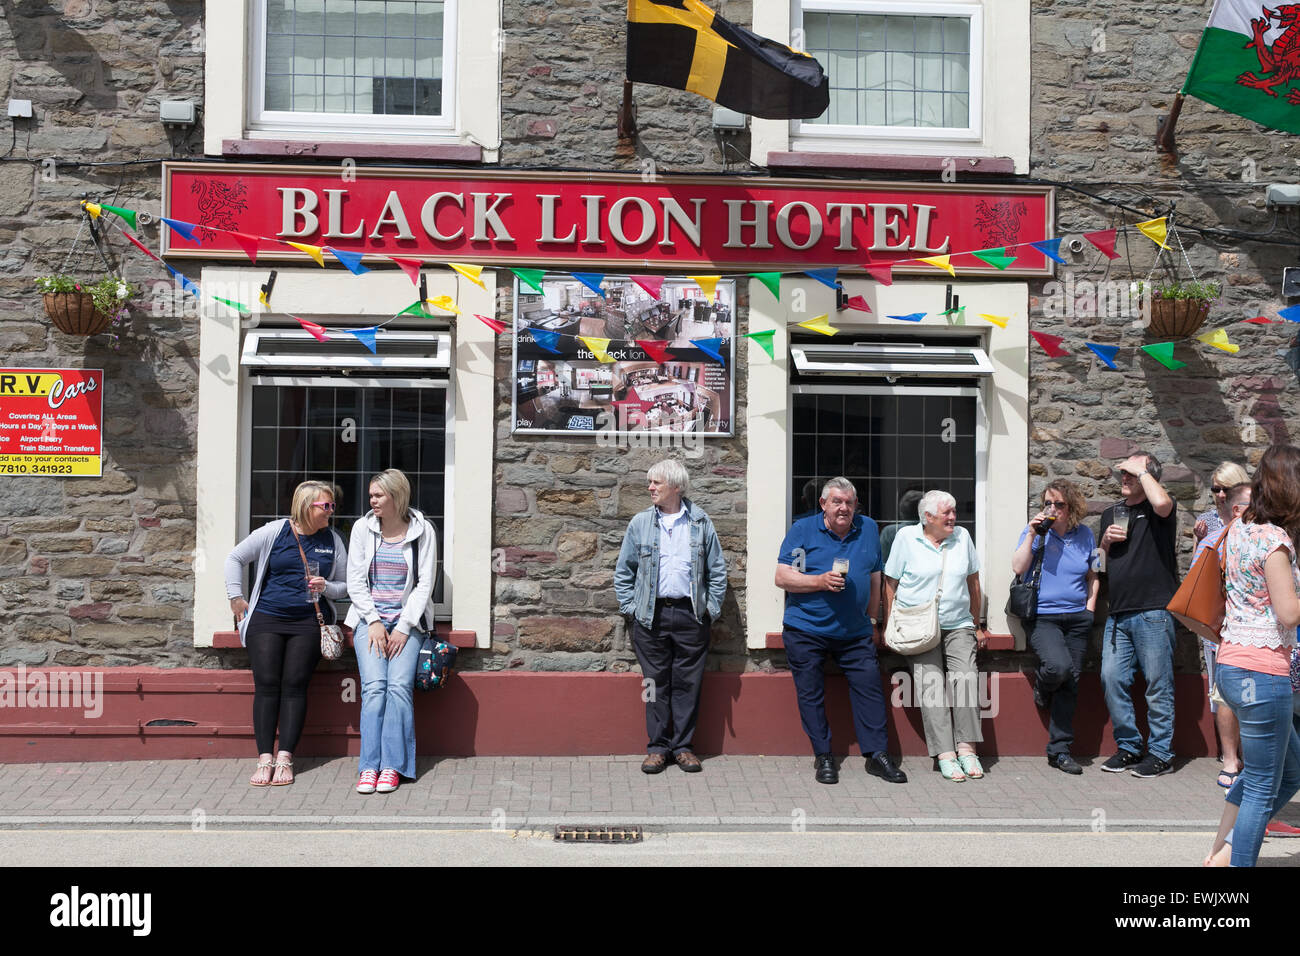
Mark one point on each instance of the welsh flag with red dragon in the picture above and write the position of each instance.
(1248, 62)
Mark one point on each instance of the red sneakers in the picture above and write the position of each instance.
(366, 783)
(388, 781)
(1278, 828)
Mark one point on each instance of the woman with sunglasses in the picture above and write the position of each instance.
(278, 623)
(1209, 525)
(1067, 597)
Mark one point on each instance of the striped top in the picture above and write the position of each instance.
(387, 581)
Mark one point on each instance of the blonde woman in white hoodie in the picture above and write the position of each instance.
(391, 569)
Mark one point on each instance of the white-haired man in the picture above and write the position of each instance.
(670, 580)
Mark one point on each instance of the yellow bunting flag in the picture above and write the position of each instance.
(597, 346)
(314, 251)
(819, 324)
(940, 262)
(707, 283)
(92, 208)
(471, 273)
(999, 320)
(444, 302)
(1155, 230)
(1219, 339)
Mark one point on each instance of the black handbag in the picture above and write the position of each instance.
(1023, 599)
(436, 662)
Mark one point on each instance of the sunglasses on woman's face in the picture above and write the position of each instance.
(1216, 490)
(1056, 505)
(324, 505)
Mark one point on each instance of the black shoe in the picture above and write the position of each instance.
(1122, 760)
(881, 765)
(824, 766)
(1041, 700)
(1065, 763)
(1151, 766)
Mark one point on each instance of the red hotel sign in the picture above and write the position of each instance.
(664, 223)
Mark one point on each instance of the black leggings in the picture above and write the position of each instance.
(283, 660)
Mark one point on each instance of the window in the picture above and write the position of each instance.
(380, 65)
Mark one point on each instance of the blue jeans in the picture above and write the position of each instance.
(1270, 752)
(1140, 639)
(387, 712)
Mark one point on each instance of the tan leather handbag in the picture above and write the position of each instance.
(1201, 600)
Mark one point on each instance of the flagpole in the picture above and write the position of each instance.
(626, 121)
(1165, 134)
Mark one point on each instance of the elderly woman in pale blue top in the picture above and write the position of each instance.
(949, 702)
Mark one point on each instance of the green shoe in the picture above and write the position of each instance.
(971, 765)
(951, 770)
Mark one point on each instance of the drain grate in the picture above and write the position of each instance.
(580, 834)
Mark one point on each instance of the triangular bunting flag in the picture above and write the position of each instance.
(770, 279)
(1163, 352)
(545, 338)
(857, 303)
(824, 276)
(1259, 320)
(237, 306)
(1155, 230)
(93, 209)
(1106, 353)
(657, 349)
(350, 259)
(995, 257)
(415, 308)
(365, 336)
(591, 280)
(126, 215)
(1291, 313)
(186, 284)
(138, 244)
(910, 317)
(999, 320)
(247, 243)
(764, 340)
(940, 262)
(651, 284)
(1051, 344)
(710, 348)
(183, 229)
(957, 311)
(597, 346)
(1050, 248)
(444, 302)
(470, 272)
(318, 332)
(314, 251)
(1219, 339)
(531, 277)
(495, 325)
(1104, 240)
(707, 284)
(820, 324)
(632, 398)
(411, 267)
(882, 274)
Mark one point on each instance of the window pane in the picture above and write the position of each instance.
(871, 71)
(956, 35)
(340, 17)
(957, 109)
(929, 71)
(929, 34)
(871, 109)
(901, 109)
(815, 31)
(901, 71)
(930, 108)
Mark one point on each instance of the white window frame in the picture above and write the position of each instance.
(300, 122)
(973, 11)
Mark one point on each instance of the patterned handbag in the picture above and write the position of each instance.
(331, 635)
(435, 665)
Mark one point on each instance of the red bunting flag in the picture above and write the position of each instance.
(857, 303)
(1104, 240)
(317, 331)
(651, 284)
(411, 267)
(632, 398)
(1257, 320)
(882, 274)
(657, 349)
(495, 325)
(246, 242)
(138, 244)
(1051, 344)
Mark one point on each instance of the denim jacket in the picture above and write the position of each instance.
(636, 576)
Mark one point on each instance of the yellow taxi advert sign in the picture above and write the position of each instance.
(51, 422)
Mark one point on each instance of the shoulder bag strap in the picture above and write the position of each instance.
(942, 567)
(302, 554)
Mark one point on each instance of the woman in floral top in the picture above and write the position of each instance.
(1254, 661)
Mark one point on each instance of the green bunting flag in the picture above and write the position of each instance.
(764, 340)
(237, 306)
(1163, 352)
(995, 257)
(960, 311)
(531, 277)
(770, 279)
(127, 215)
(415, 308)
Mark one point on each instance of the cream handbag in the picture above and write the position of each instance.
(915, 630)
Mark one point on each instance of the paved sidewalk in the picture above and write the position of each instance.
(773, 793)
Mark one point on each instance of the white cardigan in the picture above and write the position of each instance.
(417, 599)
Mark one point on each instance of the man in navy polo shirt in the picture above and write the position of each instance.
(830, 611)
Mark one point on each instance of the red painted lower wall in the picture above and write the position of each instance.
(488, 713)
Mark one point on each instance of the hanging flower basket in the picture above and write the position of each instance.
(74, 313)
(1177, 318)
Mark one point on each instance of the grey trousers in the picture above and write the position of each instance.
(944, 686)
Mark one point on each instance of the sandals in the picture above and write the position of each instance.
(951, 770)
(262, 775)
(283, 770)
(971, 765)
(1227, 775)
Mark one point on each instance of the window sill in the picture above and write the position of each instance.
(301, 149)
(227, 640)
(808, 159)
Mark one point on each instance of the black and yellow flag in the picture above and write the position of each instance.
(685, 45)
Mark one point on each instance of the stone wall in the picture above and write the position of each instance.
(98, 571)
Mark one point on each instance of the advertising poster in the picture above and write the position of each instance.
(563, 387)
(50, 422)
